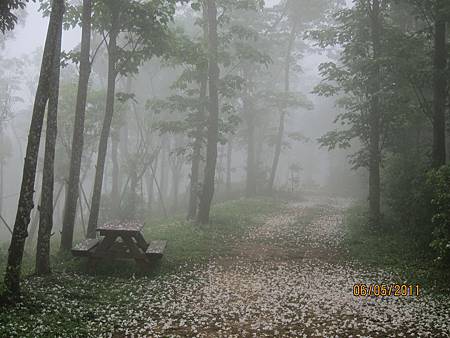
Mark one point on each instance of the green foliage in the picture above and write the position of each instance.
(287, 101)
(405, 62)
(11, 73)
(143, 28)
(402, 252)
(439, 182)
(406, 194)
(8, 19)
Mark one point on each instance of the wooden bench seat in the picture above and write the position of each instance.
(83, 248)
(156, 249)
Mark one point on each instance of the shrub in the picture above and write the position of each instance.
(406, 196)
(439, 183)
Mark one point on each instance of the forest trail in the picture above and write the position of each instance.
(289, 278)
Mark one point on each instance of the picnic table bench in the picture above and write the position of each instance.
(120, 240)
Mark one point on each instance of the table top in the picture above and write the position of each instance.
(131, 226)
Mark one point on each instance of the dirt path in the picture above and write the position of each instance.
(288, 279)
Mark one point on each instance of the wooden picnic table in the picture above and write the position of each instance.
(120, 240)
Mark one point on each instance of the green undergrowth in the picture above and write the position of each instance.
(187, 242)
(394, 248)
(75, 303)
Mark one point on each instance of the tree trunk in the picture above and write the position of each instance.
(123, 137)
(130, 209)
(197, 149)
(158, 189)
(78, 131)
(176, 171)
(2, 165)
(251, 183)
(115, 195)
(229, 158)
(34, 225)
(440, 85)
(374, 120)
(104, 136)
(213, 117)
(165, 151)
(150, 186)
(278, 145)
(280, 135)
(48, 177)
(25, 204)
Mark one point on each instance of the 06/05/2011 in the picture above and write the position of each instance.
(383, 290)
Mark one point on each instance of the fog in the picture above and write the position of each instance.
(211, 168)
(315, 162)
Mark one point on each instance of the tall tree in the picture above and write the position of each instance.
(144, 32)
(229, 168)
(70, 207)
(440, 89)
(213, 116)
(115, 195)
(375, 115)
(197, 147)
(280, 134)
(48, 178)
(299, 15)
(367, 102)
(25, 204)
(109, 111)
(249, 117)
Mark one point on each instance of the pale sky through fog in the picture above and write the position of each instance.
(32, 35)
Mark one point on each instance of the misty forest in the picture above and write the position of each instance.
(224, 168)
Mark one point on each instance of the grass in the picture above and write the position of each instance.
(72, 303)
(192, 243)
(188, 243)
(406, 253)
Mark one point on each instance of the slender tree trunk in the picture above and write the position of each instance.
(251, 183)
(251, 162)
(440, 85)
(229, 158)
(278, 145)
(176, 171)
(25, 204)
(259, 151)
(280, 135)
(104, 136)
(213, 117)
(122, 138)
(2, 165)
(165, 151)
(158, 189)
(83, 224)
(78, 131)
(34, 225)
(197, 149)
(115, 195)
(132, 199)
(107, 172)
(48, 177)
(374, 121)
(150, 186)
